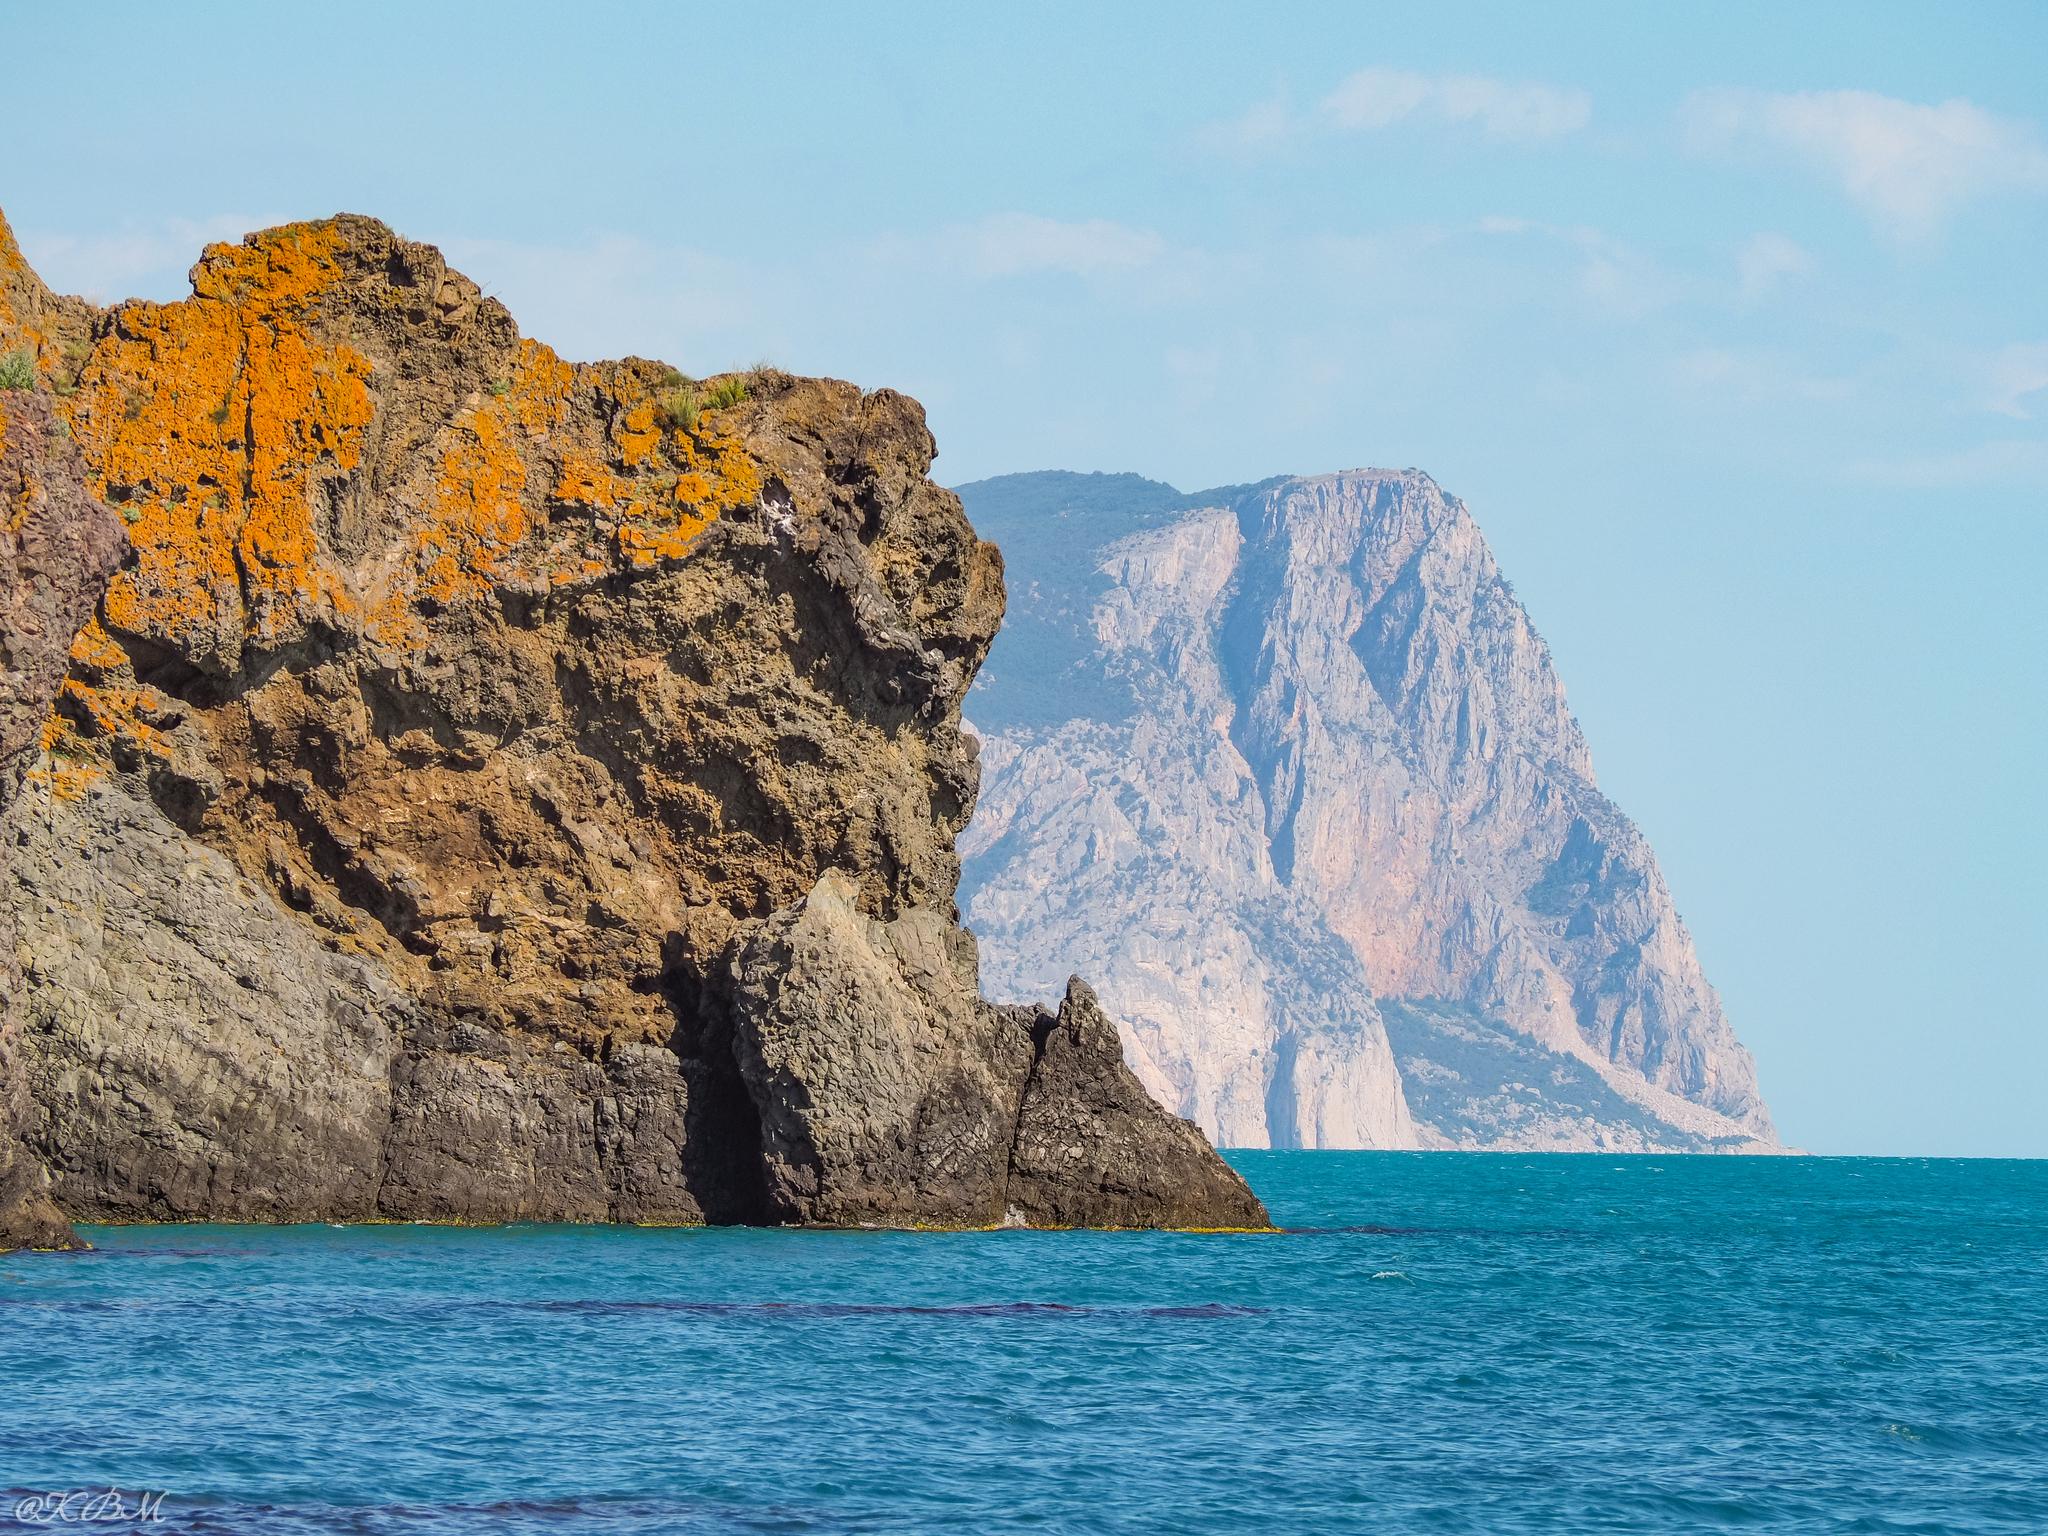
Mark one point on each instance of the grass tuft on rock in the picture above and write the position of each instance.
(682, 406)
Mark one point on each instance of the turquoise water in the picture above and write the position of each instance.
(1461, 1343)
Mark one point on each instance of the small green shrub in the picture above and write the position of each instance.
(726, 392)
(18, 369)
(682, 406)
(499, 386)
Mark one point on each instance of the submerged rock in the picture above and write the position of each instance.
(501, 788)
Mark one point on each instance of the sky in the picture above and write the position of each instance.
(1729, 323)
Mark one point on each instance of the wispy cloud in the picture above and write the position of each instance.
(1619, 279)
(148, 261)
(1016, 244)
(1377, 98)
(2013, 374)
(1764, 259)
(1755, 376)
(1909, 167)
(2009, 462)
(612, 294)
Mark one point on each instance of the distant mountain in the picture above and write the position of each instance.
(1287, 769)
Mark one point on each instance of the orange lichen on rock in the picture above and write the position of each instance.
(470, 524)
(240, 433)
(114, 712)
(585, 482)
(26, 498)
(217, 421)
(97, 695)
(64, 780)
(67, 765)
(544, 388)
(14, 273)
(94, 647)
(719, 474)
(659, 517)
(638, 434)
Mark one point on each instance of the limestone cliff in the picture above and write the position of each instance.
(502, 788)
(1289, 771)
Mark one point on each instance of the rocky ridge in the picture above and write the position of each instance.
(1289, 768)
(500, 788)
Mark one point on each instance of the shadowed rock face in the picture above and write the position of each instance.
(1287, 769)
(505, 788)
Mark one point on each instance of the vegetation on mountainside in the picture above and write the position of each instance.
(679, 400)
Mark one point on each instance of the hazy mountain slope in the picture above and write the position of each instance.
(1265, 754)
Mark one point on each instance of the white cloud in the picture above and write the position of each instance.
(2000, 463)
(1764, 259)
(614, 294)
(147, 262)
(1014, 244)
(1909, 167)
(1755, 376)
(2013, 373)
(1264, 127)
(1619, 279)
(1376, 98)
(1194, 374)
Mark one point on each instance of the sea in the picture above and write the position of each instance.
(1491, 1343)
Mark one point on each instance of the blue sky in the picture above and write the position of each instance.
(1730, 325)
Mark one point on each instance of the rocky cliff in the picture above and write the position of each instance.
(501, 788)
(59, 546)
(1290, 770)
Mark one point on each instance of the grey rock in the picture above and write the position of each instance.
(1093, 1149)
(193, 1050)
(887, 1089)
(890, 1093)
(58, 545)
(1318, 761)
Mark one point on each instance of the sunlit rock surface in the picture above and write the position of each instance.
(1287, 770)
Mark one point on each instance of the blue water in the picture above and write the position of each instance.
(1461, 1343)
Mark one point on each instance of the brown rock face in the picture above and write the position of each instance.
(514, 789)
